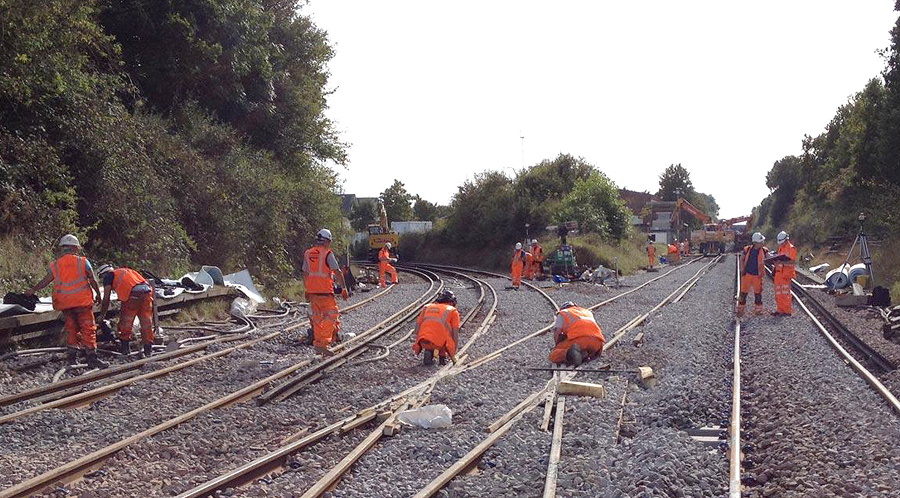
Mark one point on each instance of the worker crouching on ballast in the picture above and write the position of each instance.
(784, 272)
(437, 329)
(320, 266)
(576, 335)
(384, 265)
(751, 273)
(136, 296)
(73, 294)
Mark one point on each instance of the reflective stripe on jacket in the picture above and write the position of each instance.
(579, 322)
(70, 283)
(124, 279)
(317, 279)
(435, 316)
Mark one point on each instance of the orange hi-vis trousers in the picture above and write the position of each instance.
(516, 274)
(386, 268)
(81, 330)
(140, 306)
(591, 346)
(324, 317)
(782, 293)
(750, 282)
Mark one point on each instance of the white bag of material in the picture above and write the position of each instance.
(242, 307)
(427, 417)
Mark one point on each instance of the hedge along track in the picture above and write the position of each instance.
(74, 469)
(548, 395)
(69, 393)
(386, 410)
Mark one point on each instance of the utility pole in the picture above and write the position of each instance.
(523, 148)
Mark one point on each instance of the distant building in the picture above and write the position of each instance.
(637, 202)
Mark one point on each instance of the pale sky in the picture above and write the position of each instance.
(431, 93)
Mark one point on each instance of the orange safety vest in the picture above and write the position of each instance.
(317, 279)
(124, 279)
(672, 249)
(384, 255)
(537, 252)
(579, 322)
(70, 283)
(787, 270)
(435, 318)
(651, 250)
(518, 257)
(760, 255)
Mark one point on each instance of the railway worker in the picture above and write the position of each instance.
(651, 254)
(384, 265)
(533, 270)
(73, 294)
(751, 273)
(437, 329)
(518, 263)
(136, 296)
(685, 248)
(672, 252)
(320, 266)
(784, 273)
(576, 336)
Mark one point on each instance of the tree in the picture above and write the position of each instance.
(673, 180)
(706, 203)
(783, 181)
(397, 202)
(595, 204)
(362, 215)
(424, 210)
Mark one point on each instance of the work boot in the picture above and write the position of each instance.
(428, 360)
(72, 356)
(573, 356)
(94, 362)
(125, 347)
(148, 350)
(443, 360)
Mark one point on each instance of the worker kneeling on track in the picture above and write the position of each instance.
(437, 329)
(784, 273)
(752, 267)
(577, 336)
(384, 265)
(73, 294)
(136, 296)
(672, 252)
(320, 266)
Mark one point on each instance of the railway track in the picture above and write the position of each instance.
(347, 349)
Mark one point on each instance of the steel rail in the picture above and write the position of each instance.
(68, 384)
(734, 454)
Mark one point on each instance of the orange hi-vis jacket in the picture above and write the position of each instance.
(537, 252)
(70, 283)
(578, 322)
(435, 324)
(384, 256)
(760, 255)
(318, 279)
(788, 249)
(124, 279)
(672, 249)
(518, 257)
(651, 250)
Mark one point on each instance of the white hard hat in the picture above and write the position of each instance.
(518, 245)
(534, 241)
(324, 234)
(69, 240)
(104, 269)
(387, 244)
(782, 236)
(758, 238)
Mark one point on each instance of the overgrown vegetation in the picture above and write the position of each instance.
(166, 133)
(851, 167)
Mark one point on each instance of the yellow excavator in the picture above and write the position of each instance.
(380, 234)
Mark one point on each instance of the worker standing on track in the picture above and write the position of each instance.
(136, 296)
(651, 254)
(319, 268)
(752, 268)
(518, 262)
(537, 256)
(784, 273)
(73, 294)
(685, 248)
(384, 265)
(437, 329)
(576, 336)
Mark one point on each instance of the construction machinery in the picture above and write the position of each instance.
(380, 234)
(717, 238)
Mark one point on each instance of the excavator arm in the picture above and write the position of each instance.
(682, 203)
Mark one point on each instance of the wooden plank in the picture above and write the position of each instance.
(581, 389)
(35, 484)
(555, 449)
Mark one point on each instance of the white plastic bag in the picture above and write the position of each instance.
(427, 417)
(241, 307)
